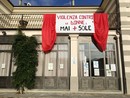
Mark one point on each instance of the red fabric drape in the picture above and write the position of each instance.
(101, 30)
(48, 32)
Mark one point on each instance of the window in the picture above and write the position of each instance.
(94, 63)
(84, 59)
(58, 2)
(56, 61)
(97, 61)
(5, 56)
(110, 58)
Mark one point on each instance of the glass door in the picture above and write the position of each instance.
(98, 70)
(56, 71)
(5, 65)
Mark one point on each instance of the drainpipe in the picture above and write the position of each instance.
(118, 30)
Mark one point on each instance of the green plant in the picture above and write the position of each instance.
(26, 60)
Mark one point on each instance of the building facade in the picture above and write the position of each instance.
(75, 63)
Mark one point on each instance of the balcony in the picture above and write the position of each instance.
(13, 21)
(34, 21)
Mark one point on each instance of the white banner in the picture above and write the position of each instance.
(74, 23)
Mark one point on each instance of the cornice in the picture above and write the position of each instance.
(42, 10)
(6, 6)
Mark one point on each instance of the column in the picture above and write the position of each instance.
(74, 63)
(119, 58)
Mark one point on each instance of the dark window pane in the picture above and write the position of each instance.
(110, 57)
(62, 47)
(93, 47)
(97, 63)
(57, 2)
(84, 59)
(87, 2)
(84, 47)
(43, 2)
(62, 63)
(110, 47)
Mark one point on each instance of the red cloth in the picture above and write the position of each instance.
(48, 32)
(101, 30)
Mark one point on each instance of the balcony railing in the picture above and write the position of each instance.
(12, 21)
(34, 21)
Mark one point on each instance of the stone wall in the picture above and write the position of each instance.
(125, 30)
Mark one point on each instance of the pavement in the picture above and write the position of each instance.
(61, 94)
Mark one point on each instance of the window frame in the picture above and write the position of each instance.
(88, 40)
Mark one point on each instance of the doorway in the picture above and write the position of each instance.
(98, 70)
(5, 65)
